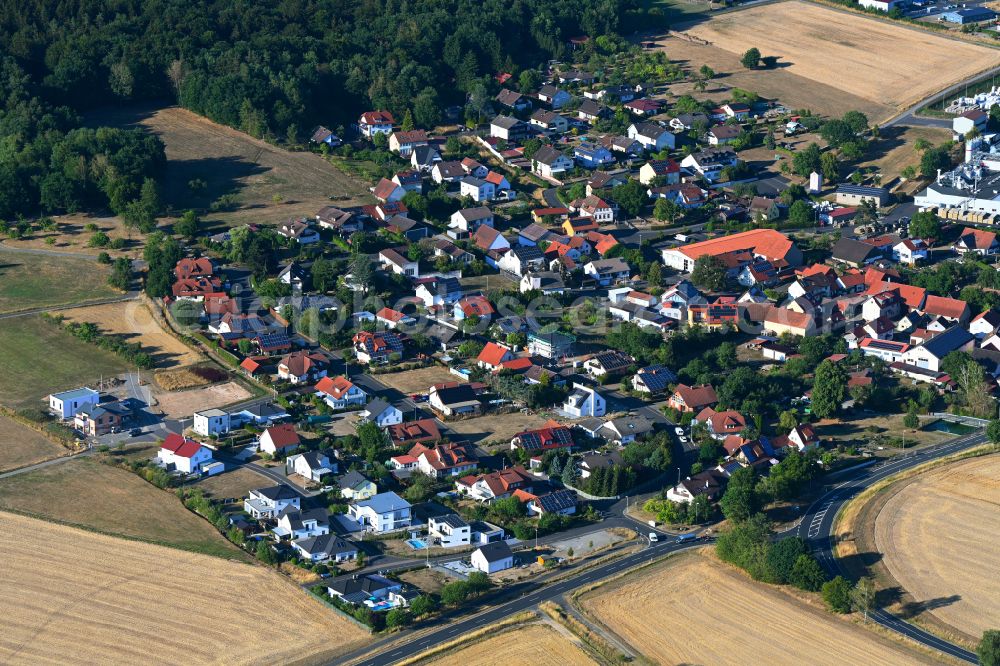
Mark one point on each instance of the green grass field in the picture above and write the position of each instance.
(86, 493)
(30, 281)
(37, 358)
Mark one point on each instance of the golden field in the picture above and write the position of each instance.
(73, 597)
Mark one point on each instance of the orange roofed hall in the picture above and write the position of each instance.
(767, 243)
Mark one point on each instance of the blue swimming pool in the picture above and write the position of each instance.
(416, 544)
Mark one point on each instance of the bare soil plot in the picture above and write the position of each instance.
(937, 536)
(21, 446)
(133, 320)
(680, 611)
(90, 494)
(419, 380)
(427, 580)
(228, 161)
(29, 281)
(496, 427)
(879, 61)
(29, 370)
(536, 644)
(71, 596)
(234, 484)
(179, 404)
(856, 431)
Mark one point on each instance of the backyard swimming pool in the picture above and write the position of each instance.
(416, 544)
(951, 427)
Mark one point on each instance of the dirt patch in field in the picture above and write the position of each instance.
(133, 321)
(496, 427)
(429, 581)
(184, 378)
(207, 161)
(72, 235)
(937, 538)
(419, 380)
(536, 644)
(72, 596)
(692, 609)
(182, 404)
(871, 59)
(21, 446)
(90, 494)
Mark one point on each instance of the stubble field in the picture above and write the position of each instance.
(72, 596)
(536, 644)
(93, 495)
(21, 446)
(692, 609)
(937, 539)
(888, 65)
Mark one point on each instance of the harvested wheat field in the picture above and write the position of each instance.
(21, 446)
(937, 537)
(535, 644)
(73, 597)
(133, 320)
(182, 404)
(876, 60)
(694, 610)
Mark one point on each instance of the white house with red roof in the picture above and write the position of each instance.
(279, 439)
(340, 392)
(375, 122)
(302, 366)
(440, 460)
(386, 191)
(801, 437)
(493, 355)
(393, 318)
(186, 455)
(475, 305)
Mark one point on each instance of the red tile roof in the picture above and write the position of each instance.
(180, 446)
(944, 307)
(336, 387)
(283, 436)
(767, 243)
(492, 354)
(476, 306)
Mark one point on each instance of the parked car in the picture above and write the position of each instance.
(135, 432)
(679, 431)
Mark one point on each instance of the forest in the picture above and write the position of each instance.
(271, 69)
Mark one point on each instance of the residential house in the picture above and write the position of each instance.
(492, 557)
(421, 431)
(550, 436)
(342, 221)
(692, 398)
(312, 465)
(591, 111)
(411, 181)
(367, 589)
(764, 209)
(509, 129)
(668, 170)
(950, 310)
(388, 191)
(264, 503)
(548, 162)
(513, 100)
(550, 121)
(910, 251)
(375, 122)
(593, 207)
(393, 318)
(454, 399)
(302, 366)
(547, 282)
(608, 271)
(709, 163)
(785, 320)
(340, 392)
(377, 347)
(977, 241)
(384, 512)
(183, 455)
(709, 483)
(404, 142)
(447, 172)
(300, 231)
(441, 460)
(279, 439)
(591, 462)
(928, 356)
(467, 220)
(686, 122)
(396, 262)
(554, 97)
(449, 531)
(381, 413)
(721, 424)
(66, 404)
(495, 485)
(473, 306)
(356, 486)
(721, 135)
(584, 401)
(652, 136)
(326, 548)
(644, 107)
(423, 158)
(211, 422)
(653, 379)
(439, 292)
(190, 268)
(608, 362)
(493, 355)
(801, 437)
(521, 259)
(592, 155)
(477, 189)
(627, 429)
(556, 502)
(552, 345)
(295, 524)
(984, 324)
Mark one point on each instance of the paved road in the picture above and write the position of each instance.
(816, 527)
(524, 602)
